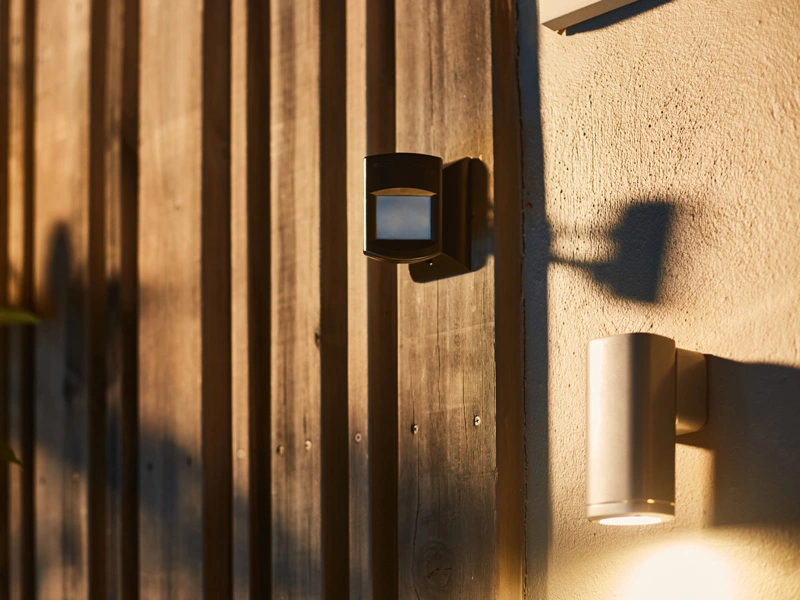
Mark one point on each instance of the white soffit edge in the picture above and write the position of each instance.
(560, 14)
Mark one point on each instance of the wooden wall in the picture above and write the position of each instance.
(219, 400)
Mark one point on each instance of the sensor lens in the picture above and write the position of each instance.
(403, 217)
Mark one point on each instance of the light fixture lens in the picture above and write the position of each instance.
(631, 520)
(403, 217)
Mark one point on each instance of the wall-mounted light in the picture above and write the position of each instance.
(417, 212)
(642, 392)
(560, 14)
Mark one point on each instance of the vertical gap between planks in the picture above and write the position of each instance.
(99, 135)
(382, 315)
(5, 409)
(113, 164)
(128, 303)
(216, 301)
(28, 349)
(259, 294)
(21, 195)
(333, 300)
(508, 310)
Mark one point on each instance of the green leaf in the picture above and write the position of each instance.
(7, 455)
(16, 316)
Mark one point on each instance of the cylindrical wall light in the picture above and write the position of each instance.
(642, 391)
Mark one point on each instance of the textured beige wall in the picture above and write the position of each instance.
(681, 120)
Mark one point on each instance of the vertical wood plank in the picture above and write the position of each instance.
(20, 199)
(170, 283)
(360, 555)
(509, 345)
(61, 282)
(240, 303)
(446, 329)
(295, 226)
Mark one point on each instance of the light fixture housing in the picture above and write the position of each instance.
(416, 211)
(642, 392)
(403, 207)
(560, 14)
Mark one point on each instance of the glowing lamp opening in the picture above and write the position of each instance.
(631, 520)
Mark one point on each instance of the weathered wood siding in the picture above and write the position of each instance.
(446, 381)
(220, 398)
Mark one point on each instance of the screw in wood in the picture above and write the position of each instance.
(358, 437)
(280, 449)
(414, 428)
(476, 421)
(308, 444)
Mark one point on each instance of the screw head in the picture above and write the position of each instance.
(308, 445)
(476, 421)
(357, 437)
(280, 449)
(414, 428)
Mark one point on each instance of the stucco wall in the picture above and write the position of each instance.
(662, 194)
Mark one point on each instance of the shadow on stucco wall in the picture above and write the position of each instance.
(615, 16)
(753, 430)
(635, 269)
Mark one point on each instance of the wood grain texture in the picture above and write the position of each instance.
(295, 259)
(360, 551)
(170, 284)
(20, 293)
(447, 506)
(509, 347)
(61, 280)
(240, 304)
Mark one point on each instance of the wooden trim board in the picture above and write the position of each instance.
(560, 14)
